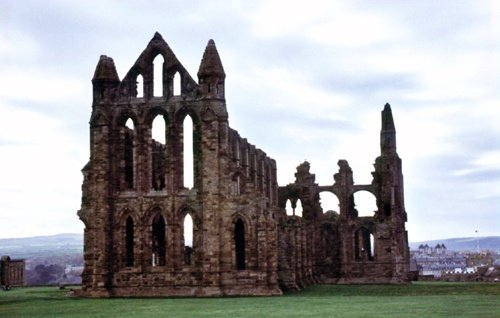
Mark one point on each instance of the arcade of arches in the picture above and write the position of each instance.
(176, 203)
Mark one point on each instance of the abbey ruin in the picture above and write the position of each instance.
(136, 197)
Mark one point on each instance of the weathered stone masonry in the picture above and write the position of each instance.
(135, 198)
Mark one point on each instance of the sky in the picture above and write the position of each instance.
(305, 80)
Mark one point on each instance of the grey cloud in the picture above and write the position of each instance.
(367, 84)
(71, 38)
(434, 23)
(482, 176)
(323, 131)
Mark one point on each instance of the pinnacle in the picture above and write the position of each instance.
(211, 64)
(105, 69)
(157, 36)
(387, 120)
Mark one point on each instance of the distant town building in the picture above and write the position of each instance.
(12, 272)
(440, 249)
(439, 263)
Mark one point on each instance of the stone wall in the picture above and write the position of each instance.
(12, 272)
(345, 248)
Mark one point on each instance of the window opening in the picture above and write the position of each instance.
(158, 240)
(129, 124)
(188, 239)
(139, 87)
(129, 242)
(158, 157)
(329, 202)
(288, 207)
(129, 154)
(298, 208)
(188, 152)
(365, 203)
(239, 244)
(372, 246)
(177, 84)
(364, 244)
(158, 130)
(158, 76)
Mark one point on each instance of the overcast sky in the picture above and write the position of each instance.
(305, 80)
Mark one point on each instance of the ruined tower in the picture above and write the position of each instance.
(140, 194)
(343, 247)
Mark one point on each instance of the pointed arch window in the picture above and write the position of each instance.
(239, 244)
(298, 208)
(188, 239)
(158, 241)
(294, 208)
(139, 86)
(129, 154)
(176, 89)
(288, 207)
(364, 244)
(372, 247)
(188, 152)
(158, 153)
(158, 75)
(129, 242)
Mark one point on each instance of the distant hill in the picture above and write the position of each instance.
(70, 244)
(491, 243)
(42, 246)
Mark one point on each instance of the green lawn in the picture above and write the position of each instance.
(427, 299)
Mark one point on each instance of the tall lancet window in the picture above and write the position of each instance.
(158, 153)
(298, 208)
(288, 207)
(364, 244)
(139, 88)
(188, 239)
(188, 152)
(129, 242)
(177, 84)
(158, 76)
(158, 241)
(129, 154)
(239, 244)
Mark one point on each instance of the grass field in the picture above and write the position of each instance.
(423, 299)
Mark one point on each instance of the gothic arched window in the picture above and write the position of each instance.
(158, 241)
(239, 244)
